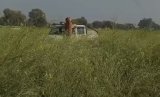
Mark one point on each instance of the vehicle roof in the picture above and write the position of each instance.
(61, 25)
(58, 25)
(80, 26)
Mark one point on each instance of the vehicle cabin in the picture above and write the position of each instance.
(59, 29)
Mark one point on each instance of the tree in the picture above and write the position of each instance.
(130, 26)
(13, 18)
(37, 18)
(108, 24)
(2, 21)
(80, 21)
(97, 24)
(125, 26)
(148, 23)
(156, 26)
(103, 24)
(112, 25)
(145, 23)
(121, 26)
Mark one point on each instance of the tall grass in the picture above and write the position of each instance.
(116, 64)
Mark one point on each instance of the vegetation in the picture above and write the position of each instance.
(117, 64)
(12, 18)
(112, 25)
(148, 24)
(15, 18)
(80, 21)
(37, 18)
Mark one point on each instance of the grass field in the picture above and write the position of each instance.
(116, 64)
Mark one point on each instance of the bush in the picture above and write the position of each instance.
(116, 64)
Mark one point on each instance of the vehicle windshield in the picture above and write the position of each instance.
(57, 30)
(80, 30)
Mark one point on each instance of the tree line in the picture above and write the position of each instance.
(146, 23)
(16, 18)
(37, 18)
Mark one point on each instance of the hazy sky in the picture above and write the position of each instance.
(121, 10)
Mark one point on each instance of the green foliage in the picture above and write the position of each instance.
(116, 64)
(13, 18)
(112, 25)
(108, 24)
(98, 24)
(80, 21)
(37, 18)
(148, 23)
(127, 26)
(1, 20)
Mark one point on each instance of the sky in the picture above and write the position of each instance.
(116, 10)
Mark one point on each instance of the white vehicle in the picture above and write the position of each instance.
(59, 30)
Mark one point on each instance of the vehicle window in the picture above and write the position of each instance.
(59, 30)
(80, 30)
